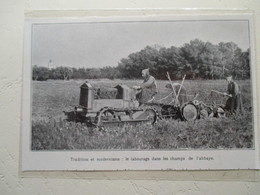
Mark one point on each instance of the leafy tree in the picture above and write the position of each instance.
(63, 73)
(109, 72)
(40, 73)
(132, 66)
(227, 57)
(193, 53)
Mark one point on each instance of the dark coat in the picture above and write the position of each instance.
(234, 103)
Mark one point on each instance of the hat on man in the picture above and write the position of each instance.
(145, 71)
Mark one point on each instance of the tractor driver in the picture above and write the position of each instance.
(148, 89)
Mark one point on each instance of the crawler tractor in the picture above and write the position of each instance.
(114, 106)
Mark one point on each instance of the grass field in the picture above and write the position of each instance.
(51, 132)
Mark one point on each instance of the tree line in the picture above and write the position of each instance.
(67, 73)
(196, 59)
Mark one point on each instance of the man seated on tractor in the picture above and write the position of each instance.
(234, 102)
(148, 89)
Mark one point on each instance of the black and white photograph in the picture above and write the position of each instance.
(154, 91)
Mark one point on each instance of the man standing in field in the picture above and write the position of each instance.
(234, 102)
(148, 89)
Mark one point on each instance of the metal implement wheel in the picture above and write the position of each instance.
(189, 112)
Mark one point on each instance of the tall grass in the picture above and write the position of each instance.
(211, 133)
(51, 132)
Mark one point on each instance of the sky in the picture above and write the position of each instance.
(105, 44)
